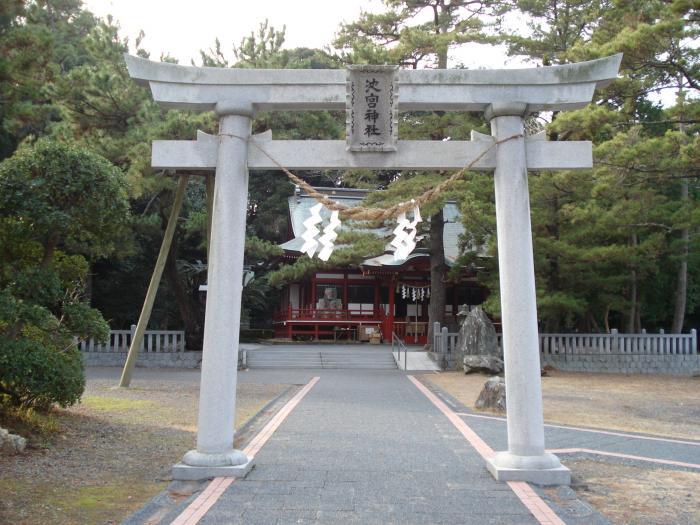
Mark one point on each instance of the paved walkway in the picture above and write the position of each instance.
(370, 447)
(415, 360)
(367, 447)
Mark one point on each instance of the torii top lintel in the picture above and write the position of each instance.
(557, 88)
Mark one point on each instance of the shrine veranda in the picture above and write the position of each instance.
(372, 97)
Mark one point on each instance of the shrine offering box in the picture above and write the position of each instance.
(365, 332)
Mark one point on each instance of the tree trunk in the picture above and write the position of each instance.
(438, 290)
(606, 318)
(592, 323)
(49, 250)
(438, 268)
(682, 281)
(555, 322)
(632, 313)
(186, 305)
(634, 300)
(88, 284)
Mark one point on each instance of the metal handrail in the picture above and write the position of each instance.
(395, 339)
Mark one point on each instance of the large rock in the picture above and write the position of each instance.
(11, 443)
(493, 395)
(477, 336)
(490, 364)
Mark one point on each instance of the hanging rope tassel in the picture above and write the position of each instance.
(329, 236)
(311, 231)
(404, 240)
(400, 236)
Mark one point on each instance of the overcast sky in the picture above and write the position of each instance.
(183, 27)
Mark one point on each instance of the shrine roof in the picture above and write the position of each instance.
(300, 204)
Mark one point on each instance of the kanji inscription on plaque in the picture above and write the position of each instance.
(372, 108)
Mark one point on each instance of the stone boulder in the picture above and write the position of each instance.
(11, 444)
(493, 395)
(477, 336)
(490, 364)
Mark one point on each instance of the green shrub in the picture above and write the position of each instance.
(33, 374)
(59, 204)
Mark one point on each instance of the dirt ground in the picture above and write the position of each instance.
(633, 495)
(661, 405)
(109, 454)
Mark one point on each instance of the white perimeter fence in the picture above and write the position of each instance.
(613, 343)
(153, 341)
(613, 352)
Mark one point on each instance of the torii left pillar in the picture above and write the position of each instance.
(215, 454)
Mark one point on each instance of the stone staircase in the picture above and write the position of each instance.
(321, 356)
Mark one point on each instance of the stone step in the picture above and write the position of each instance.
(326, 358)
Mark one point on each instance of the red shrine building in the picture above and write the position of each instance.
(378, 297)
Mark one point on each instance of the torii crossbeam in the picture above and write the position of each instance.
(505, 96)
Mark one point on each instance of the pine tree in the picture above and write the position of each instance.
(399, 36)
(605, 240)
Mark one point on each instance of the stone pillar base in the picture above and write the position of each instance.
(197, 466)
(541, 470)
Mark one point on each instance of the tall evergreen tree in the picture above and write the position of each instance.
(605, 239)
(414, 34)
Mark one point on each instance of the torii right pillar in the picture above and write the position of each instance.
(526, 458)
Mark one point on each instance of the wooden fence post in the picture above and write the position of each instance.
(138, 334)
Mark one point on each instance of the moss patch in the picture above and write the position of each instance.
(110, 404)
(44, 502)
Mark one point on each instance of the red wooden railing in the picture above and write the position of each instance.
(411, 332)
(291, 322)
(329, 314)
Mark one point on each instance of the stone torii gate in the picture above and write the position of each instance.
(505, 96)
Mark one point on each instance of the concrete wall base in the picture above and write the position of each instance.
(681, 365)
(146, 359)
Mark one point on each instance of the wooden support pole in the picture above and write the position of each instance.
(153, 285)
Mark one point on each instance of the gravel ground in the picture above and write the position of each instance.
(661, 405)
(638, 495)
(113, 451)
